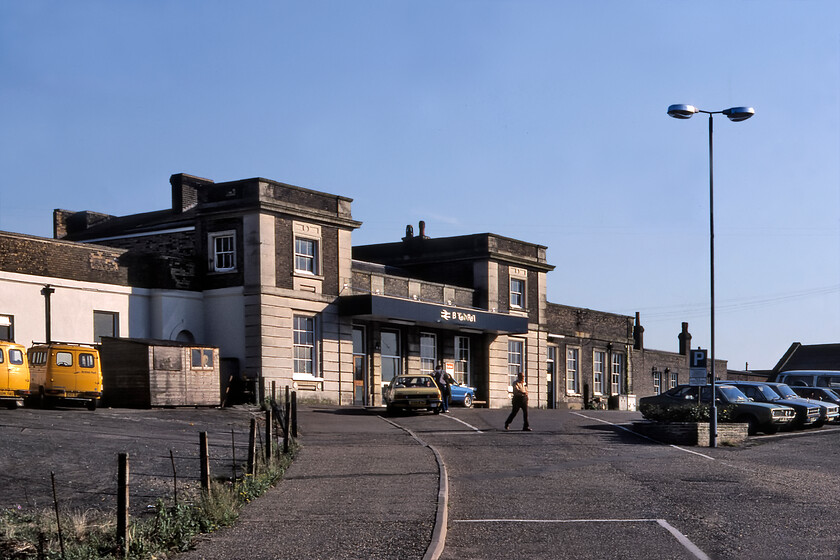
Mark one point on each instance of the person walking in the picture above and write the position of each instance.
(520, 401)
(442, 381)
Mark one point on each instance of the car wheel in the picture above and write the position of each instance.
(752, 425)
(468, 400)
(91, 405)
(438, 409)
(771, 429)
(818, 424)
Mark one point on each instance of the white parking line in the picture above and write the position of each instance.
(619, 426)
(682, 539)
(465, 423)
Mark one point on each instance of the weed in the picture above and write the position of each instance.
(30, 534)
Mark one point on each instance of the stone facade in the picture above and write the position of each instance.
(266, 272)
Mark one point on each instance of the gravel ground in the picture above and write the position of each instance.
(81, 448)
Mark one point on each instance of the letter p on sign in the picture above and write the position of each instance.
(698, 359)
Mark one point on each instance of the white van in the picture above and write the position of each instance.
(810, 378)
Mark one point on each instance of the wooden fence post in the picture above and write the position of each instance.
(268, 437)
(174, 477)
(252, 447)
(288, 420)
(205, 461)
(294, 414)
(122, 503)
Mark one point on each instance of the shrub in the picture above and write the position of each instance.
(687, 413)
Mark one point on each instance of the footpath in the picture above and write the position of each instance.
(360, 487)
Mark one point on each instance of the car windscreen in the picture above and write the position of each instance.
(767, 392)
(733, 395)
(785, 391)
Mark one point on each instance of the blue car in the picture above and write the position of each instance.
(462, 394)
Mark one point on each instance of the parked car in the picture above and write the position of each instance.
(829, 412)
(760, 416)
(824, 395)
(14, 374)
(65, 372)
(413, 392)
(807, 412)
(461, 394)
(817, 394)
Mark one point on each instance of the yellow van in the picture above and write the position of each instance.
(14, 374)
(65, 371)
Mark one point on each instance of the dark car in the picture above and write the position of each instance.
(829, 412)
(825, 396)
(817, 394)
(807, 412)
(760, 416)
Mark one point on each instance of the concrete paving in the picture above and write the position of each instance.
(360, 487)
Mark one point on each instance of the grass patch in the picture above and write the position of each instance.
(91, 534)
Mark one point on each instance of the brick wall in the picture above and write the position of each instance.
(61, 259)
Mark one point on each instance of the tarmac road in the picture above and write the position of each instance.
(367, 486)
(579, 486)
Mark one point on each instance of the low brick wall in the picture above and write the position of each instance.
(691, 433)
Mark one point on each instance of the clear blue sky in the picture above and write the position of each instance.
(539, 120)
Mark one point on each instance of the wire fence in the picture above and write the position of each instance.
(78, 452)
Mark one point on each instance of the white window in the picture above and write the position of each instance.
(617, 373)
(599, 364)
(304, 345)
(201, 358)
(673, 382)
(105, 323)
(517, 293)
(657, 382)
(428, 353)
(390, 355)
(573, 371)
(516, 359)
(306, 255)
(462, 359)
(223, 251)
(7, 331)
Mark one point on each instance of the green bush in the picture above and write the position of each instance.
(687, 413)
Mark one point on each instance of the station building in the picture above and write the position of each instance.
(267, 272)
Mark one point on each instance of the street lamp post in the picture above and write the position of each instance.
(735, 114)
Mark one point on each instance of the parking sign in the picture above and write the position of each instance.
(697, 375)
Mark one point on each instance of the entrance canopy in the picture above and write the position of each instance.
(389, 309)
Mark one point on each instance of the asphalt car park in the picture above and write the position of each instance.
(583, 485)
(80, 448)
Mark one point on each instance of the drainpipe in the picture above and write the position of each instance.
(46, 291)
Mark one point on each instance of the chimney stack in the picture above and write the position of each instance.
(685, 340)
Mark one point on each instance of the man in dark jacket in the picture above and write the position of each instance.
(520, 401)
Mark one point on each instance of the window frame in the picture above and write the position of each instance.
(7, 322)
(516, 359)
(394, 359)
(215, 254)
(572, 372)
(616, 374)
(115, 323)
(598, 371)
(202, 351)
(462, 359)
(304, 350)
(314, 259)
(428, 353)
(517, 296)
